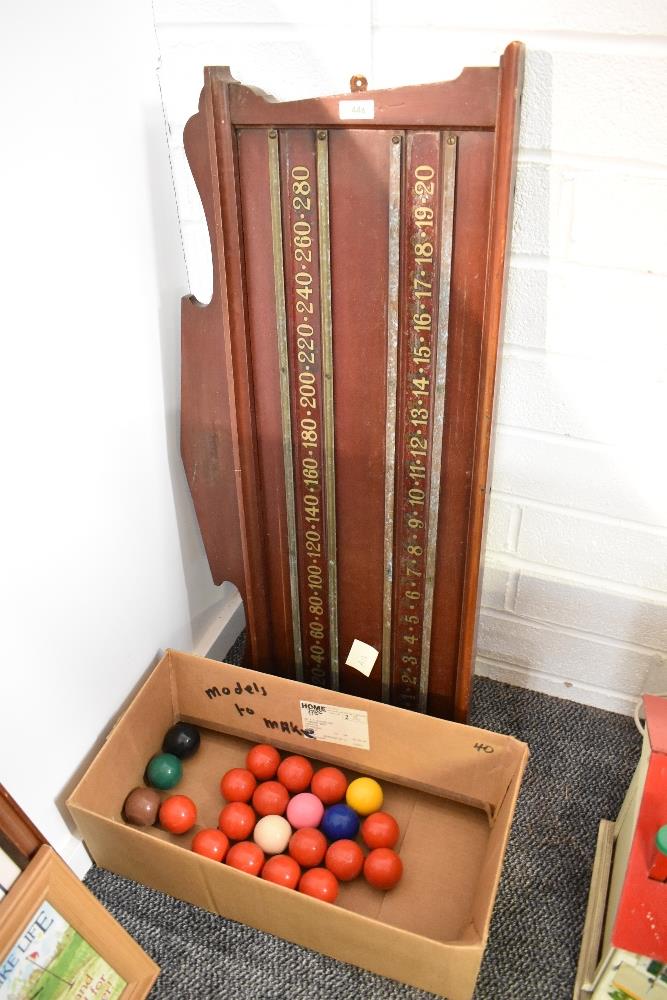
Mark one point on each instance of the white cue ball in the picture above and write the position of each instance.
(272, 834)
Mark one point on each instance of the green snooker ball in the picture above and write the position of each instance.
(164, 771)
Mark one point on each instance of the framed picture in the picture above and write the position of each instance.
(57, 941)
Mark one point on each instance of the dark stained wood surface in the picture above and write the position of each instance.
(469, 101)
(359, 288)
(475, 156)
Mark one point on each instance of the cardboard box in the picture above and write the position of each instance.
(452, 788)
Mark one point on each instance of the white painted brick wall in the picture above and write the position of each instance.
(574, 593)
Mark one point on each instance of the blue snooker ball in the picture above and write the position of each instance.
(340, 822)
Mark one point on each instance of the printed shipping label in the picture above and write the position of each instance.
(331, 724)
(362, 657)
(359, 110)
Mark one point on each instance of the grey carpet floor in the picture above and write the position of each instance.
(581, 763)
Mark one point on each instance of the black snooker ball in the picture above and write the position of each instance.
(182, 740)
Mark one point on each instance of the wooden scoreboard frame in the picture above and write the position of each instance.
(337, 391)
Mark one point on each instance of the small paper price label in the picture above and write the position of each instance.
(362, 657)
(356, 110)
(332, 724)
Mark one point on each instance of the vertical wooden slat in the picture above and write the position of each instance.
(393, 273)
(285, 409)
(421, 209)
(236, 337)
(328, 399)
(358, 178)
(301, 225)
(504, 170)
(440, 376)
(472, 200)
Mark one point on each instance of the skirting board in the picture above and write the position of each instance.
(559, 687)
(215, 631)
(76, 856)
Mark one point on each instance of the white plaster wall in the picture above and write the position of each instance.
(102, 563)
(576, 562)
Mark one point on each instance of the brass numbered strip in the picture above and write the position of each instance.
(328, 396)
(448, 193)
(392, 387)
(286, 422)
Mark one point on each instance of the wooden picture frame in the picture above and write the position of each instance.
(48, 885)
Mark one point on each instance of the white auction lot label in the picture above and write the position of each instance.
(356, 110)
(332, 724)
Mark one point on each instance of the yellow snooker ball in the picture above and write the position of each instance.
(364, 795)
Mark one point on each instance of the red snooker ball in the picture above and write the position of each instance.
(330, 785)
(308, 847)
(237, 820)
(345, 859)
(295, 773)
(383, 868)
(263, 761)
(178, 814)
(211, 843)
(380, 830)
(282, 870)
(270, 798)
(238, 785)
(246, 857)
(320, 884)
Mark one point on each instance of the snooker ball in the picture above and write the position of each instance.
(211, 843)
(308, 847)
(182, 740)
(329, 784)
(246, 857)
(270, 798)
(320, 884)
(237, 820)
(304, 809)
(282, 870)
(141, 806)
(272, 834)
(164, 770)
(383, 868)
(263, 761)
(295, 773)
(364, 795)
(238, 785)
(380, 830)
(340, 822)
(178, 814)
(345, 859)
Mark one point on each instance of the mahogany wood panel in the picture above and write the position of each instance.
(360, 293)
(337, 391)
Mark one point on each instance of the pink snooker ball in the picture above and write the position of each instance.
(304, 810)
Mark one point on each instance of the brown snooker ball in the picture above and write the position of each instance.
(141, 806)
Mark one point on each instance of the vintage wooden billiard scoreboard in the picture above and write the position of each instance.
(337, 391)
